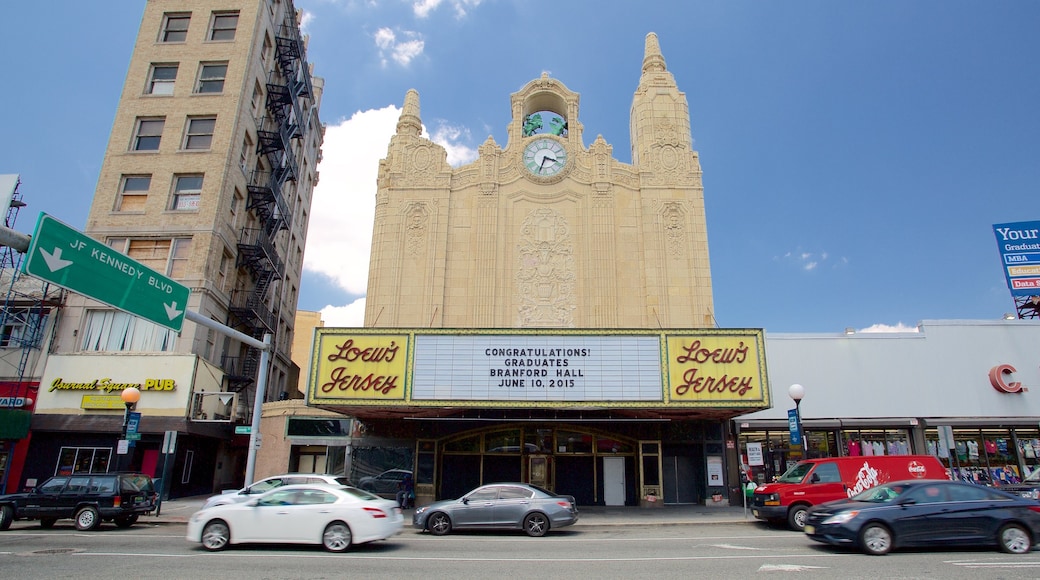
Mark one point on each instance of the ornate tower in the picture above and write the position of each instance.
(545, 232)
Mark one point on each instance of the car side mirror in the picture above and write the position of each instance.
(253, 502)
(908, 501)
(465, 500)
(814, 478)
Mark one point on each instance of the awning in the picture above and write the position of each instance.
(14, 423)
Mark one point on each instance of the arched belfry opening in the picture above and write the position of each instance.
(545, 106)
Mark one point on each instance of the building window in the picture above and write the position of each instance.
(148, 134)
(258, 95)
(224, 25)
(112, 330)
(133, 192)
(187, 190)
(247, 150)
(179, 254)
(82, 460)
(265, 51)
(175, 28)
(211, 78)
(22, 327)
(161, 79)
(151, 253)
(199, 134)
(236, 202)
(222, 271)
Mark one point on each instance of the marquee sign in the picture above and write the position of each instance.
(539, 368)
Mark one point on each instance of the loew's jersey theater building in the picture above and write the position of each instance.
(545, 313)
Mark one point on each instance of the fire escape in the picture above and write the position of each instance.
(255, 310)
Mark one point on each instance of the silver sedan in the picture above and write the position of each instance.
(501, 506)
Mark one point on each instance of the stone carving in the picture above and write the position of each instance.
(545, 274)
(674, 229)
(416, 230)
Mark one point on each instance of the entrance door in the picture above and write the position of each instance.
(680, 479)
(614, 480)
(538, 472)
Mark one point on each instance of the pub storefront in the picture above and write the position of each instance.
(612, 417)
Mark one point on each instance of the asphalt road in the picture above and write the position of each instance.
(148, 551)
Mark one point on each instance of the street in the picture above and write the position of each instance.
(722, 551)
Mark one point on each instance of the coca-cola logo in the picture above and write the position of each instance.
(917, 470)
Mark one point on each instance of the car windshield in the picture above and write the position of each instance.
(796, 474)
(881, 493)
(360, 493)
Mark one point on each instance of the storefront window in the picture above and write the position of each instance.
(876, 442)
(986, 456)
(573, 442)
(469, 444)
(83, 460)
(503, 442)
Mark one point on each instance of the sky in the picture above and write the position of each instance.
(855, 155)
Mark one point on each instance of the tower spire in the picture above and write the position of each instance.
(410, 123)
(653, 60)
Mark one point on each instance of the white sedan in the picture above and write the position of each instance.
(334, 516)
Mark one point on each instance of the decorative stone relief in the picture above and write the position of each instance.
(674, 229)
(545, 274)
(416, 229)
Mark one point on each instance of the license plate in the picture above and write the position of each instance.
(810, 530)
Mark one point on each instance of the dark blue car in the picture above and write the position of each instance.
(927, 513)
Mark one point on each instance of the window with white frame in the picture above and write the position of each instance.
(257, 101)
(175, 27)
(187, 191)
(161, 79)
(211, 77)
(115, 331)
(199, 133)
(224, 25)
(236, 203)
(21, 327)
(265, 51)
(133, 192)
(180, 252)
(148, 134)
(222, 271)
(83, 460)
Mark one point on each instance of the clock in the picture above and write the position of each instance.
(545, 157)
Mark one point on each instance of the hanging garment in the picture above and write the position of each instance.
(853, 447)
(973, 449)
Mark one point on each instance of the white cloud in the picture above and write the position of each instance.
(339, 240)
(350, 316)
(401, 51)
(899, 327)
(305, 21)
(423, 8)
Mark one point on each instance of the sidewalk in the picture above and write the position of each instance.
(178, 511)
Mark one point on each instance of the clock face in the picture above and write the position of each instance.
(545, 157)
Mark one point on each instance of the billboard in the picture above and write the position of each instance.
(1019, 245)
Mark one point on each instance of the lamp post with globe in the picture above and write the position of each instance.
(797, 392)
(130, 396)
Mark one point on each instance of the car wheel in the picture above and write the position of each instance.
(87, 518)
(216, 536)
(126, 521)
(47, 523)
(1014, 539)
(6, 516)
(875, 539)
(336, 537)
(439, 524)
(536, 525)
(796, 517)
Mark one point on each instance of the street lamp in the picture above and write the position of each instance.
(130, 396)
(797, 392)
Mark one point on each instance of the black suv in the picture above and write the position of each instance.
(89, 499)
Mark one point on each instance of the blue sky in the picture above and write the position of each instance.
(855, 154)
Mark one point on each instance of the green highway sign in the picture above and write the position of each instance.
(71, 259)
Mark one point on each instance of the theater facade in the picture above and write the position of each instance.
(544, 313)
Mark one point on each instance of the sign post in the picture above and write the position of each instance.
(73, 260)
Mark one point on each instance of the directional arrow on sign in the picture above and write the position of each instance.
(71, 259)
(53, 259)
